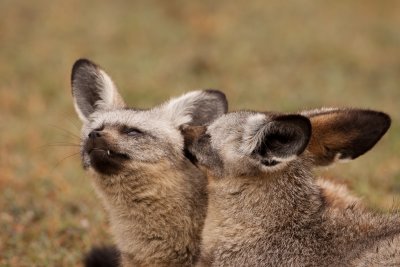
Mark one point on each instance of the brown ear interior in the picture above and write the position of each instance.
(346, 134)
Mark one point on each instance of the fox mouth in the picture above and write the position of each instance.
(103, 159)
(107, 152)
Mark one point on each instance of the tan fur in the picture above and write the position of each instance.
(384, 253)
(337, 195)
(325, 235)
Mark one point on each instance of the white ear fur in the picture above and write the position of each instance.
(108, 94)
(313, 112)
(252, 135)
(196, 108)
(179, 109)
(79, 112)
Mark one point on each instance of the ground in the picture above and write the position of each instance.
(265, 55)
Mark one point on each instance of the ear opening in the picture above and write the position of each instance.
(281, 139)
(344, 134)
(285, 138)
(92, 89)
(196, 108)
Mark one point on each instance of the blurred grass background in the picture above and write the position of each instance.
(276, 55)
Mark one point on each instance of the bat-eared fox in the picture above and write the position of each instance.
(155, 197)
(265, 207)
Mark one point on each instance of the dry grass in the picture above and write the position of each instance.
(281, 55)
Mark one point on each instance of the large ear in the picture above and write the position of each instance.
(92, 89)
(195, 108)
(276, 140)
(343, 134)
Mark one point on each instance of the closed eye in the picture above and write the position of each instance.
(100, 128)
(131, 131)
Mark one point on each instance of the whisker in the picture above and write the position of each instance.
(74, 124)
(60, 144)
(71, 134)
(63, 143)
(63, 159)
(71, 121)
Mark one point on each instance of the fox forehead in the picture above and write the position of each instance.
(233, 125)
(234, 119)
(147, 120)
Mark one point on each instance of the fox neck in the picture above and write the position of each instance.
(274, 198)
(161, 204)
(290, 202)
(151, 182)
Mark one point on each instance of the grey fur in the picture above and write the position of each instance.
(155, 197)
(279, 215)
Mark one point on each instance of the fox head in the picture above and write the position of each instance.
(248, 143)
(119, 140)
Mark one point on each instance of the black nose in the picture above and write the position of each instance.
(94, 134)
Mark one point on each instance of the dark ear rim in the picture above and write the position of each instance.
(221, 95)
(386, 123)
(79, 64)
(202, 107)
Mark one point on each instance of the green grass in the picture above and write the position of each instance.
(275, 55)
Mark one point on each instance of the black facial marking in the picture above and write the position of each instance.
(107, 162)
(104, 157)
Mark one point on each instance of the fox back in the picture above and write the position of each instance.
(155, 197)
